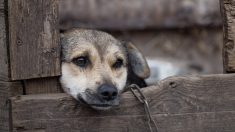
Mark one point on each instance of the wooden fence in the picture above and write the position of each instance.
(178, 104)
(139, 14)
(30, 66)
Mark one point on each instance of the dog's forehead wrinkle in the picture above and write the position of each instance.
(103, 42)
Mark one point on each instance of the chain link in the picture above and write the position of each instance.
(135, 88)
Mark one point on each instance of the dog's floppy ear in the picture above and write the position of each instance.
(137, 61)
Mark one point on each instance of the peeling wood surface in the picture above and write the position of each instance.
(34, 38)
(138, 14)
(227, 9)
(179, 104)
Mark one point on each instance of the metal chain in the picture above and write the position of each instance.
(135, 88)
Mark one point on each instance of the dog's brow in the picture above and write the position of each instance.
(80, 53)
(119, 55)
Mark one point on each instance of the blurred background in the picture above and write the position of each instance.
(178, 37)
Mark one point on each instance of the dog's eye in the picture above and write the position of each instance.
(81, 61)
(118, 64)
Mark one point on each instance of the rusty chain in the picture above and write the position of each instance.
(135, 88)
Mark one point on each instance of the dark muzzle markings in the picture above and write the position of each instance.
(107, 92)
(89, 56)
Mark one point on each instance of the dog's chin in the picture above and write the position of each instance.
(99, 105)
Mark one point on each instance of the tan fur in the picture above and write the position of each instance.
(103, 51)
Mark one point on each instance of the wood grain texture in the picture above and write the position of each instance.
(7, 90)
(138, 14)
(192, 122)
(34, 38)
(4, 74)
(1, 4)
(227, 9)
(42, 85)
(179, 104)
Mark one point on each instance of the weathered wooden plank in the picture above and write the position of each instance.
(196, 122)
(1, 4)
(227, 9)
(34, 38)
(7, 90)
(138, 14)
(4, 74)
(204, 103)
(42, 85)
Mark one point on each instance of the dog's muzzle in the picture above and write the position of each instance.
(105, 98)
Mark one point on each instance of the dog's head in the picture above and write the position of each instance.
(95, 67)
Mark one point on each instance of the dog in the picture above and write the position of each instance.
(96, 67)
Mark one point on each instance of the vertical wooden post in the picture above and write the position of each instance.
(34, 38)
(7, 89)
(228, 13)
(4, 74)
(34, 46)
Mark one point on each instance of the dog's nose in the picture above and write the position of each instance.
(107, 92)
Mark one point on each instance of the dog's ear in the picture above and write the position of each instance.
(137, 61)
